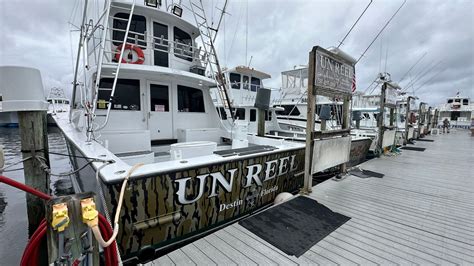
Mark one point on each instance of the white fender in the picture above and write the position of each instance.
(282, 197)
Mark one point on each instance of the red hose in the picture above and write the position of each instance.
(30, 255)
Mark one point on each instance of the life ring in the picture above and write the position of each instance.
(138, 50)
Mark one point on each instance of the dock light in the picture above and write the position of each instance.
(152, 3)
(177, 10)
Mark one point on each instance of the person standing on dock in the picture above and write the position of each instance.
(445, 125)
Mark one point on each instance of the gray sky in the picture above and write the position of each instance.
(280, 35)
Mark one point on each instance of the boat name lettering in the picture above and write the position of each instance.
(255, 173)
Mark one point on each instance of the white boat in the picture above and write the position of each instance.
(7, 119)
(291, 110)
(148, 102)
(458, 110)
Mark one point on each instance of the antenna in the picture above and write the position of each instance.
(353, 25)
(386, 24)
(250, 61)
(422, 74)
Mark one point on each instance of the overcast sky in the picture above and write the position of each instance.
(280, 34)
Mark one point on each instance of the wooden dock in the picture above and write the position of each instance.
(420, 212)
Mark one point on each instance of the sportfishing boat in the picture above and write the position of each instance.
(244, 84)
(291, 110)
(292, 102)
(458, 110)
(143, 122)
(58, 103)
(366, 114)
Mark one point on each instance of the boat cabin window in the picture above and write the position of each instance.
(289, 110)
(183, 44)
(457, 100)
(126, 97)
(245, 82)
(450, 100)
(159, 98)
(465, 102)
(160, 51)
(240, 114)
(253, 115)
(136, 33)
(268, 115)
(455, 115)
(234, 80)
(222, 113)
(255, 84)
(190, 100)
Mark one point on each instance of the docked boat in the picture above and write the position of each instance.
(291, 110)
(144, 100)
(458, 110)
(58, 103)
(7, 119)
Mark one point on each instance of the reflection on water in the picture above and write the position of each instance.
(13, 217)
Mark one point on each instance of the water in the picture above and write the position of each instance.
(13, 217)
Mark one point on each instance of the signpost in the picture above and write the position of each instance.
(329, 75)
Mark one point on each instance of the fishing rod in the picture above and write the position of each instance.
(404, 75)
(386, 24)
(355, 23)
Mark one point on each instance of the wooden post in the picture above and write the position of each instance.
(345, 125)
(34, 142)
(381, 116)
(261, 122)
(311, 106)
(405, 141)
(323, 124)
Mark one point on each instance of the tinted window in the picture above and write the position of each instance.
(253, 115)
(190, 100)
(465, 101)
(240, 114)
(127, 94)
(136, 32)
(289, 110)
(159, 99)
(234, 80)
(160, 32)
(245, 82)
(457, 100)
(268, 115)
(255, 84)
(183, 44)
(222, 113)
(450, 100)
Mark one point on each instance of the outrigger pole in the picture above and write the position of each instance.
(79, 48)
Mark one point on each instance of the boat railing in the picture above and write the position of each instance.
(151, 43)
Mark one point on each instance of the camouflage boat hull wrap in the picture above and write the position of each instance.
(159, 210)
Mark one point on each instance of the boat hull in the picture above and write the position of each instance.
(160, 211)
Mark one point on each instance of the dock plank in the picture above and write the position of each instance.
(421, 212)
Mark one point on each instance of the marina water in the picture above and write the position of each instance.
(13, 216)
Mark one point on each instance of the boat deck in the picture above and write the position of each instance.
(420, 212)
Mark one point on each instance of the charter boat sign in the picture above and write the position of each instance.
(332, 72)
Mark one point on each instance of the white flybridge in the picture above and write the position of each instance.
(458, 110)
(142, 97)
(292, 102)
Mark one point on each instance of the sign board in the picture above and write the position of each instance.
(331, 152)
(332, 73)
(391, 96)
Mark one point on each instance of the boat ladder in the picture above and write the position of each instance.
(208, 36)
(102, 53)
